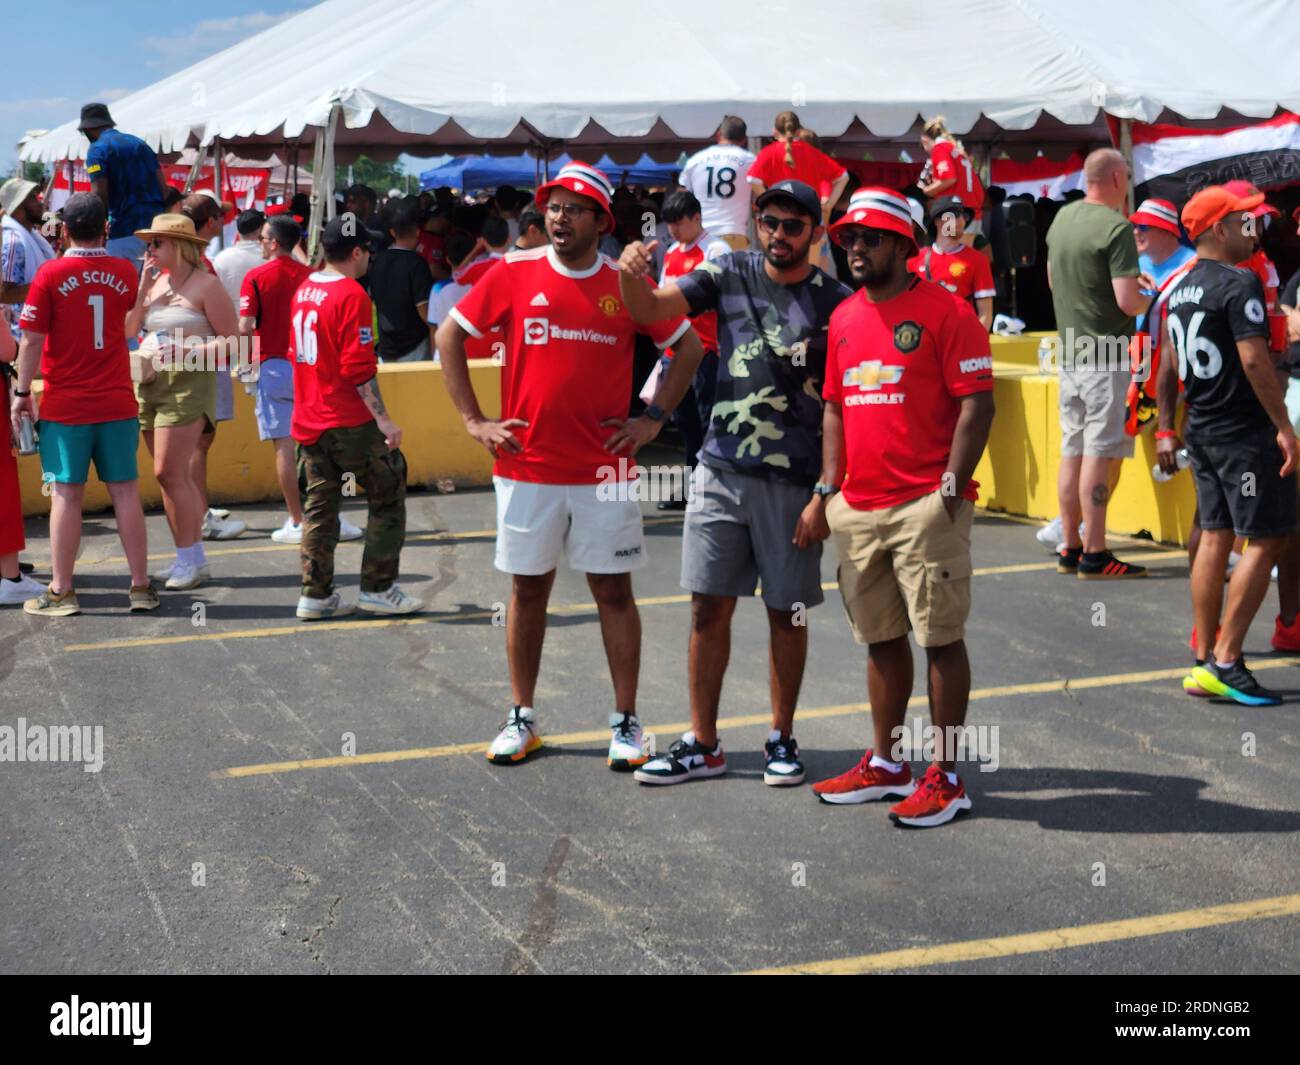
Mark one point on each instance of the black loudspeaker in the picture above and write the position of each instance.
(1022, 236)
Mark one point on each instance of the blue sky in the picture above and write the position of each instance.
(98, 50)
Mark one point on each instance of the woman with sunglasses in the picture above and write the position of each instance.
(189, 324)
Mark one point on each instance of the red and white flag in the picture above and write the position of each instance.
(1040, 177)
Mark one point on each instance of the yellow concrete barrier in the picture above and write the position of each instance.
(1017, 474)
(241, 468)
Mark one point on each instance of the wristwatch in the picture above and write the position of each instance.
(824, 490)
(655, 412)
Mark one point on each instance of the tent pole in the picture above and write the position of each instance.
(322, 181)
(199, 155)
(1126, 150)
(218, 173)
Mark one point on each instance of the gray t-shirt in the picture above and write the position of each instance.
(767, 412)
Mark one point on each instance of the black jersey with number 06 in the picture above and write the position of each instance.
(1210, 308)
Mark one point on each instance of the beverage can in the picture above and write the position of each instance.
(26, 435)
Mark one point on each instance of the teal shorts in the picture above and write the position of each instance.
(67, 450)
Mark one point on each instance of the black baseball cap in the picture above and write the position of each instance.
(344, 233)
(95, 116)
(949, 205)
(803, 196)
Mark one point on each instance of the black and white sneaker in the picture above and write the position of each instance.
(783, 766)
(685, 760)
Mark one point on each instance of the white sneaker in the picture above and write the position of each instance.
(332, 606)
(288, 533)
(16, 593)
(517, 739)
(205, 571)
(629, 747)
(393, 601)
(1050, 533)
(215, 528)
(184, 576)
(218, 512)
(348, 531)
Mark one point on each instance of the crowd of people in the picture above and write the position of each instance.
(841, 395)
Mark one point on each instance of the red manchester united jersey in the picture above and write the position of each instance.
(965, 273)
(948, 163)
(265, 296)
(680, 260)
(898, 370)
(332, 347)
(80, 302)
(569, 359)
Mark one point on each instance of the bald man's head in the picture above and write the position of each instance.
(1106, 175)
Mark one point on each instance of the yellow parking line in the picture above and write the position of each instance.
(1039, 942)
(565, 610)
(565, 739)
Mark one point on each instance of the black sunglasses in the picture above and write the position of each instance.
(791, 227)
(870, 238)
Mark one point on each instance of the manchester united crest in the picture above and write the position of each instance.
(907, 337)
(610, 305)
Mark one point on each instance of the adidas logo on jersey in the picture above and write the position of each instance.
(539, 300)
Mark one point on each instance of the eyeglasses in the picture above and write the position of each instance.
(156, 243)
(871, 239)
(570, 211)
(791, 227)
(1139, 229)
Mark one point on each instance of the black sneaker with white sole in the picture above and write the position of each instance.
(684, 761)
(784, 769)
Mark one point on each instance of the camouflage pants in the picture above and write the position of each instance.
(338, 463)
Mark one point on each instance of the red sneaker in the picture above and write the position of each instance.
(1191, 644)
(935, 802)
(1286, 637)
(865, 783)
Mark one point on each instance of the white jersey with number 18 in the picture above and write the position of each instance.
(717, 175)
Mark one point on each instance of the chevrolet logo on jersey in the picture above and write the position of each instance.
(869, 376)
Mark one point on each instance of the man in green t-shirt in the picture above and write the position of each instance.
(1092, 267)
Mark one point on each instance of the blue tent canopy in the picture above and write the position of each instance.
(523, 171)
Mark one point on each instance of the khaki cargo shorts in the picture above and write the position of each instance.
(902, 567)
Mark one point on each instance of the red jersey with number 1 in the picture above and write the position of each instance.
(80, 302)
(332, 348)
(898, 370)
(569, 365)
(948, 163)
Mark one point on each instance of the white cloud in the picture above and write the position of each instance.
(207, 38)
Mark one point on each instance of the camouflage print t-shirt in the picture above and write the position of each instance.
(767, 415)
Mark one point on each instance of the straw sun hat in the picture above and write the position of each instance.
(172, 226)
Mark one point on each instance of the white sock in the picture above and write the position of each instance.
(183, 556)
(1224, 665)
(885, 763)
(198, 556)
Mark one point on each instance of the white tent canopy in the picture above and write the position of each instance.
(438, 74)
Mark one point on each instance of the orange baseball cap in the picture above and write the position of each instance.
(1214, 204)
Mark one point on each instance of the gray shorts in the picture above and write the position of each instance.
(739, 530)
(1092, 413)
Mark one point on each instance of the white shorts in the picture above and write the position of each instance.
(536, 523)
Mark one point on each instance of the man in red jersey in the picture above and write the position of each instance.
(953, 264)
(909, 404)
(264, 301)
(563, 444)
(74, 323)
(343, 430)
